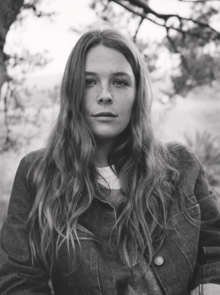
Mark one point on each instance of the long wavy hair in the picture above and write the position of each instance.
(65, 177)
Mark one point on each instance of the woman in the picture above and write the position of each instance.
(105, 208)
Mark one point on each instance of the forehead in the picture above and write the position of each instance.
(102, 58)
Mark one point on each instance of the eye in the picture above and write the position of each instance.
(120, 82)
(90, 82)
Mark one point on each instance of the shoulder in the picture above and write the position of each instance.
(22, 184)
(183, 154)
(186, 161)
(29, 162)
(180, 151)
(26, 170)
(32, 157)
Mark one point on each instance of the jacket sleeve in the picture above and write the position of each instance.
(207, 271)
(18, 275)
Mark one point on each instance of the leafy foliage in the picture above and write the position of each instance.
(196, 69)
(194, 39)
(200, 56)
(15, 66)
(18, 66)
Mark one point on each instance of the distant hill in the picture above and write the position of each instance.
(44, 82)
(198, 112)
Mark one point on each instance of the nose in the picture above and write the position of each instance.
(105, 97)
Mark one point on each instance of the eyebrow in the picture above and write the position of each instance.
(115, 74)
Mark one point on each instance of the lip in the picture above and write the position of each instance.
(105, 114)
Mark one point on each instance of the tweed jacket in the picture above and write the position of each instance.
(189, 258)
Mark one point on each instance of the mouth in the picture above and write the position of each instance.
(105, 114)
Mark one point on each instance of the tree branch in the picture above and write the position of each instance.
(143, 16)
(137, 30)
(185, 64)
(197, 1)
(7, 138)
(37, 12)
(147, 10)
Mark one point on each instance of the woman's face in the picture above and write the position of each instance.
(109, 94)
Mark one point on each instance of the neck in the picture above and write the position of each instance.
(102, 151)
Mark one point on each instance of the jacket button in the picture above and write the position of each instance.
(159, 260)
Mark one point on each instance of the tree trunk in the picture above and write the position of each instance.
(3, 74)
(9, 9)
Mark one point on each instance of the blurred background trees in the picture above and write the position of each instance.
(15, 66)
(183, 60)
(11, 12)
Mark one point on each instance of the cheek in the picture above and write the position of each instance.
(86, 105)
(129, 114)
(128, 105)
(131, 107)
(126, 113)
(90, 98)
(87, 101)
